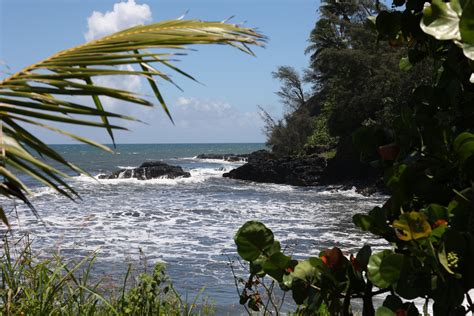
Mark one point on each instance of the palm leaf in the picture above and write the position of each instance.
(40, 94)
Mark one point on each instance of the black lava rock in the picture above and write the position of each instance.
(263, 166)
(149, 170)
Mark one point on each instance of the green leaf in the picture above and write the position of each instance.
(306, 271)
(363, 221)
(384, 311)
(464, 145)
(391, 267)
(363, 256)
(405, 64)
(276, 265)
(3, 217)
(441, 20)
(252, 239)
(374, 269)
(466, 24)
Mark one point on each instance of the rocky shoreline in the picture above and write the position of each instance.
(263, 166)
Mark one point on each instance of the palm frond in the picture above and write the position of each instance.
(42, 93)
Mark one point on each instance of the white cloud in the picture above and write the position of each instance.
(197, 109)
(215, 120)
(123, 15)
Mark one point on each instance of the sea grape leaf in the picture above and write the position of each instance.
(253, 239)
(305, 271)
(384, 311)
(414, 279)
(363, 256)
(374, 269)
(363, 221)
(275, 265)
(390, 267)
(412, 225)
(464, 145)
(441, 20)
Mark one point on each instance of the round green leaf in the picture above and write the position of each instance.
(252, 239)
(390, 268)
(373, 269)
(275, 265)
(384, 311)
(305, 271)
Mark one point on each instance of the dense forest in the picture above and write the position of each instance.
(354, 81)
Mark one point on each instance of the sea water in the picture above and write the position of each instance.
(187, 223)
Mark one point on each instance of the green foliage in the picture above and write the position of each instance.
(32, 286)
(427, 161)
(289, 135)
(320, 135)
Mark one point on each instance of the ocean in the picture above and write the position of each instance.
(187, 223)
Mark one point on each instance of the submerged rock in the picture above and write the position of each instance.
(149, 170)
(263, 166)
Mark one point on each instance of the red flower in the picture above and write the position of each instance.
(332, 258)
(440, 222)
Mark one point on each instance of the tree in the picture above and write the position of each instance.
(38, 94)
(288, 135)
(291, 92)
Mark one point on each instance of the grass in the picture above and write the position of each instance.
(34, 286)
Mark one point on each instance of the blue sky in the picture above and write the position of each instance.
(223, 109)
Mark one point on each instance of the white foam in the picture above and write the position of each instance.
(198, 175)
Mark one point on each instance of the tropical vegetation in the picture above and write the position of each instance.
(425, 151)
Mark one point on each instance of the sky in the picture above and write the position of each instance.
(221, 108)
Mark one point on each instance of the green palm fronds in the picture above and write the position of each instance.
(41, 93)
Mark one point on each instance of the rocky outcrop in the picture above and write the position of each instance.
(149, 170)
(263, 166)
(226, 157)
